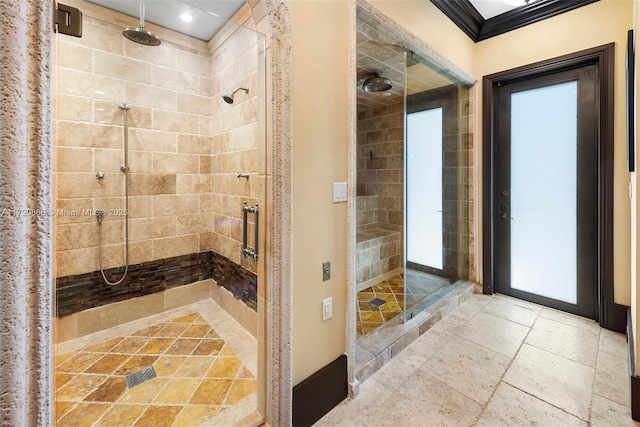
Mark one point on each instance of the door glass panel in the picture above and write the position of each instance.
(543, 191)
(424, 188)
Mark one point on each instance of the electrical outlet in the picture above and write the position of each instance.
(326, 271)
(327, 309)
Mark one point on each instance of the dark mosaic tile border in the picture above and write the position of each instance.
(242, 283)
(83, 291)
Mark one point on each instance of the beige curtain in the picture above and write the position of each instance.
(25, 212)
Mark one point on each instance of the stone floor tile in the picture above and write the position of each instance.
(510, 407)
(495, 333)
(580, 345)
(554, 379)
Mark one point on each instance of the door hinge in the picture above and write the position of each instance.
(68, 20)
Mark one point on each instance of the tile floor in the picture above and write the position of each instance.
(499, 361)
(370, 316)
(199, 376)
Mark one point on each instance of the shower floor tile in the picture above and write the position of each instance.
(199, 375)
(370, 316)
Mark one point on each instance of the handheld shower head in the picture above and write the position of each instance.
(229, 97)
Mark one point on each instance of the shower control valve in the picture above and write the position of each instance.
(100, 175)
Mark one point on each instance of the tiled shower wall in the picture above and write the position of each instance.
(236, 131)
(186, 144)
(380, 167)
(380, 179)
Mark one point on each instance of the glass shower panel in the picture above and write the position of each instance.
(424, 195)
(543, 158)
(436, 181)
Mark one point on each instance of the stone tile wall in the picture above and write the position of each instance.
(186, 145)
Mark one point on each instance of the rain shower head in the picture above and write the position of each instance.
(141, 35)
(376, 83)
(229, 98)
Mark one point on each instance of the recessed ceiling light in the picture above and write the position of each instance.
(187, 17)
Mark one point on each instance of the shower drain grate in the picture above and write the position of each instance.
(140, 377)
(377, 302)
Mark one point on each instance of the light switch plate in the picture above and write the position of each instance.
(327, 309)
(339, 192)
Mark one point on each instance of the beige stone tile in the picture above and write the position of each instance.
(175, 122)
(525, 314)
(612, 378)
(175, 80)
(573, 343)
(74, 56)
(88, 135)
(138, 94)
(73, 108)
(194, 144)
(470, 308)
(177, 297)
(614, 343)
(468, 368)
(606, 413)
(427, 395)
(163, 55)
(121, 67)
(194, 64)
(152, 141)
(401, 369)
(100, 318)
(561, 382)
(570, 319)
(189, 184)
(512, 407)
(73, 211)
(175, 163)
(151, 184)
(96, 36)
(76, 261)
(194, 104)
(80, 83)
(172, 205)
(495, 333)
(175, 246)
(65, 328)
(152, 228)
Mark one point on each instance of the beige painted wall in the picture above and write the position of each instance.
(635, 206)
(563, 34)
(320, 149)
(320, 158)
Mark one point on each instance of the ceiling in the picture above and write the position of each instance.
(490, 8)
(209, 16)
(379, 51)
(483, 19)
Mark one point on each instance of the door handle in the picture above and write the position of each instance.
(505, 216)
(256, 220)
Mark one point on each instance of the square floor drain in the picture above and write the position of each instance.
(140, 376)
(377, 302)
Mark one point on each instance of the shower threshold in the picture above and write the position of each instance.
(377, 348)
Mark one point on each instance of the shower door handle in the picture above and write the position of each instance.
(246, 210)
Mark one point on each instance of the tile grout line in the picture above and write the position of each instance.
(501, 380)
(533, 396)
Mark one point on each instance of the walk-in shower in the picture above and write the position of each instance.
(412, 211)
(165, 223)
